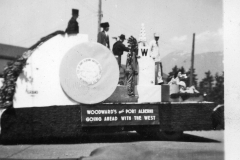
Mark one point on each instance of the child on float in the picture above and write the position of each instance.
(184, 89)
(176, 78)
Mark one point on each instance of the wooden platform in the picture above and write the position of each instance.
(121, 95)
(186, 97)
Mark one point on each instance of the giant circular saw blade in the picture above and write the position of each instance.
(89, 73)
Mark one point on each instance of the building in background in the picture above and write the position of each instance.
(9, 53)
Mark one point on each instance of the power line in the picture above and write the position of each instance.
(125, 25)
(167, 44)
(89, 15)
(50, 29)
(38, 35)
(129, 29)
(87, 6)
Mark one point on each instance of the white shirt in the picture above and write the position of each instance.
(106, 33)
(154, 50)
(174, 81)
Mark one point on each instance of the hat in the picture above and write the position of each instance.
(104, 25)
(156, 35)
(122, 36)
(74, 11)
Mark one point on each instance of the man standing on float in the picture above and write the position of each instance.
(72, 27)
(119, 48)
(155, 54)
(103, 37)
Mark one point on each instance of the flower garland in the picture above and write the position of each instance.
(13, 70)
(131, 66)
(133, 44)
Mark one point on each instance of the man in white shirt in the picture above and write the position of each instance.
(155, 54)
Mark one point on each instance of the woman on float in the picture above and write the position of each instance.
(184, 89)
(176, 78)
(182, 85)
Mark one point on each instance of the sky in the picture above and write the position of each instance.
(24, 22)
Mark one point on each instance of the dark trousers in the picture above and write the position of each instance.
(119, 60)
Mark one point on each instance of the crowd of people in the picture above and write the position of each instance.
(119, 48)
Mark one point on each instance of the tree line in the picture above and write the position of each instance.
(211, 86)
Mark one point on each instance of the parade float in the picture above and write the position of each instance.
(65, 86)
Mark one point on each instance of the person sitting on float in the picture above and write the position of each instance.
(176, 78)
(184, 89)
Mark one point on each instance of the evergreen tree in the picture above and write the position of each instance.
(171, 74)
(182, 70)
(187, 81)
(205, 86)
(218, 90)
(175, 70)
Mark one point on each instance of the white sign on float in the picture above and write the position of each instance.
(145, 62)
(39, 83)
(147, 90)
(146, 66)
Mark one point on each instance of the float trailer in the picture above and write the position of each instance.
(166, 120)
(45, 109)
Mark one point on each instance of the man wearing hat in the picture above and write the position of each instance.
(72, 27)
(155, 54)
(103, 37)
(119, 48)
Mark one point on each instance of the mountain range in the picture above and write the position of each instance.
(203, 62)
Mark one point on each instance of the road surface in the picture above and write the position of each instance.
(127, 145)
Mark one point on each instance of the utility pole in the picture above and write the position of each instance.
(192, 61)
(99, 15)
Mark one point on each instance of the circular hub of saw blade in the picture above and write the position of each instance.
(89, 73)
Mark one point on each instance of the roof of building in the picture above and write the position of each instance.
(8, 53)
(12, 51)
